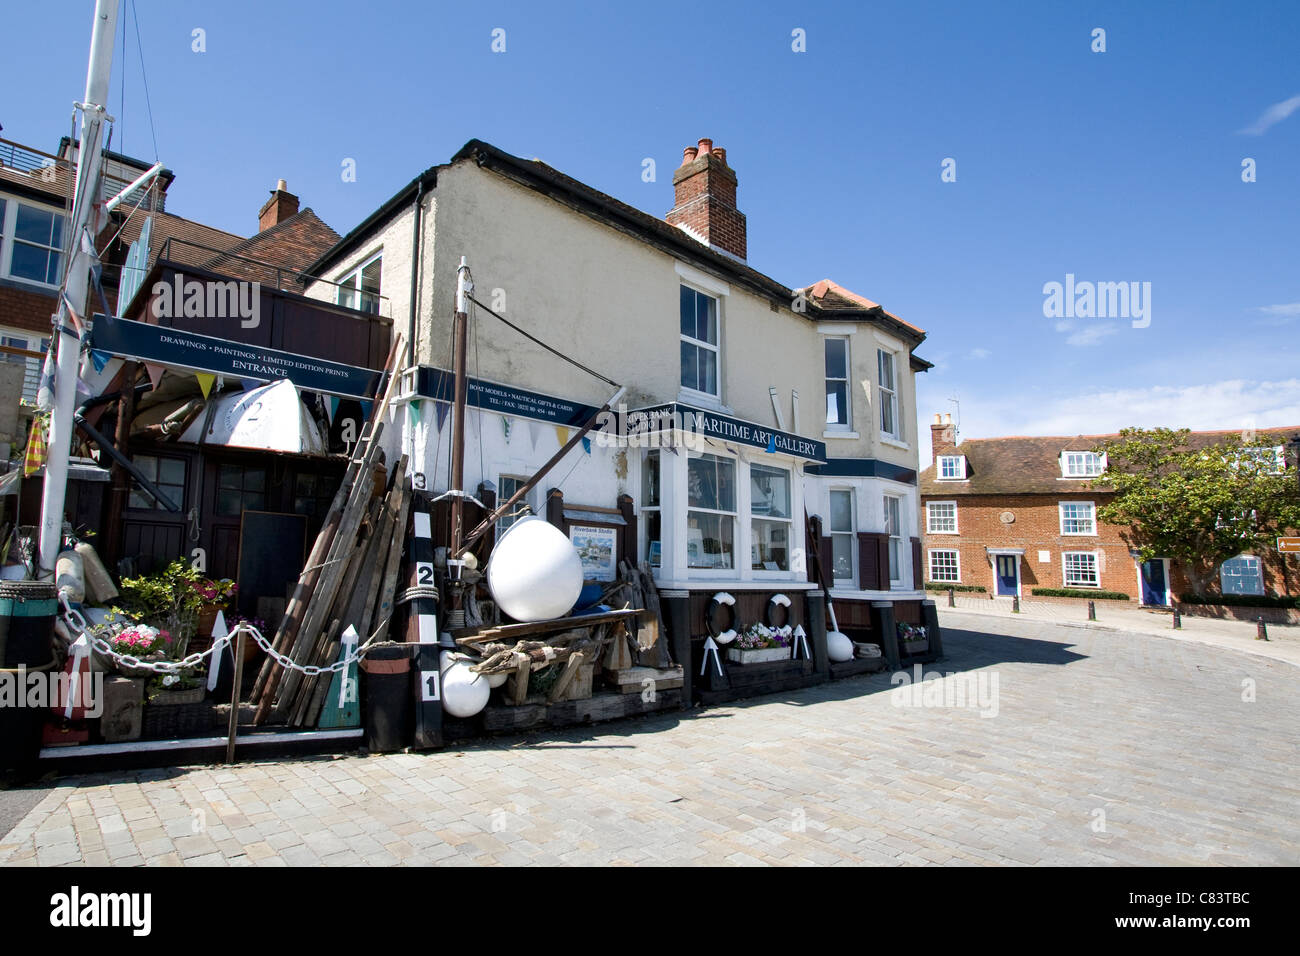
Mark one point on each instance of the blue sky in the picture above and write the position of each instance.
(1115, 166)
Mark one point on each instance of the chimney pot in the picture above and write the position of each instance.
(947, 418)
(282, 186)
(721, 153)
(705, 147)
(688, 154)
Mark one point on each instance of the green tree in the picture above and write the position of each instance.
(1199, 506)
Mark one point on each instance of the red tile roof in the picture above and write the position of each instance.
(1021, 465)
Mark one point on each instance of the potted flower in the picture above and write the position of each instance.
(759, 642)
(215, 595)
(142, 642)
(913, 638)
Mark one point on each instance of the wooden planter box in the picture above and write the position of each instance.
(757, 655)
(916, 647)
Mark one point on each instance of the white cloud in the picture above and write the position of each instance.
(1088, 334)
(1282, 314)
(1272, 116)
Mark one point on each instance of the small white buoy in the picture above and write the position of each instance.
(534, 573)
(464, 693)
(838, 646)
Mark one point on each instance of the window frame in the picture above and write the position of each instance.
(896, 534)
(656, 509)
(1065, 569)
(715, 348)
(9, 239)
(888, 395)
(851, 533)
(847, 424)
(961, 468)
(1060, 511)
(352, 281)
(929, 565)
(733, 515)
(502, 478)
(153, 506)
(1258, 566)
(787, 521)
(1099, 459)
(929, 522)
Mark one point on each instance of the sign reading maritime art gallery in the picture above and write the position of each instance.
(205, 353)
(715, 425)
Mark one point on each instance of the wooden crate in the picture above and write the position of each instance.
(632, 680)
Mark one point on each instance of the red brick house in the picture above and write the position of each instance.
(1019, 513)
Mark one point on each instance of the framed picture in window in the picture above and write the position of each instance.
(598, 549)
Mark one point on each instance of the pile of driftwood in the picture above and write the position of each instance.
(350, 578)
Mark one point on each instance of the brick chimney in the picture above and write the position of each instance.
(278, 208)
(943, 436)
(705, 203)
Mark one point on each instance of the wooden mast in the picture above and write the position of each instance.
(460, 323)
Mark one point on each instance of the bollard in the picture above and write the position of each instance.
(1015, 604)
(952, 597)
(1261, 632)
(1092, 611)
(1178, 619)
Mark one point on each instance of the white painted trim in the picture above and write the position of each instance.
(706, 282)
(955, 520)
(832, 435)
(929, 564)
(1060, 519)
(1096, 563)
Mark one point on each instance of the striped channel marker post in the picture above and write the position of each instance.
(422, 630)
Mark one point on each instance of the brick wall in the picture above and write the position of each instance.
(30, 311)
(1037, 527)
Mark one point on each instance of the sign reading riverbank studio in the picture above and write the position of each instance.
(204, 353)
(697, 421)
(439, 384)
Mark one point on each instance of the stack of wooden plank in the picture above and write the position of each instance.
(349, 580)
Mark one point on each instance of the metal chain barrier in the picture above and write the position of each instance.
(77, 621)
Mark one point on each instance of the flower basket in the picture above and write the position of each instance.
(913, 638)
(176, 719)
(916, 647)
(176, 698)
(757, 655)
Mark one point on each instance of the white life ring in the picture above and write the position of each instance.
(711, 618)
(775, 601)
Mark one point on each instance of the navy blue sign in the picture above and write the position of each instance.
(716, 425)
(439, 384)
(205, 353)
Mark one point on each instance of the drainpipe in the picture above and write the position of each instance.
(415, 274)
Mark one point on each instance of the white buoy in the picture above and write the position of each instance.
(534, 572)
(464, 693)
(70, 576)
(839, 647)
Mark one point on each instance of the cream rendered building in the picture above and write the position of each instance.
(805, 396)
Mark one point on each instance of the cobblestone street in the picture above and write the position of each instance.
(1107, 747)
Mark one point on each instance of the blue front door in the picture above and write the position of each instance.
(1008, 574)
(1153, 582)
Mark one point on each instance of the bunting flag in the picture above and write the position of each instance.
(414, 408)
(248, 384)
(96, 272)
(332, 403)
(505, 427)
(534, 431)
(99, 359)
(155, 373)
(586, 444)
(562, 434)
(45, 391)
(206, 381)
(440, 410)
(365, 409)
(771, 445)
(37, 448)
(78, 325)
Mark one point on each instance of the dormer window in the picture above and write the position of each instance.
(1082, 464)
(952, 467)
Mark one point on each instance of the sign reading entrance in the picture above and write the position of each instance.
(205, 353)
